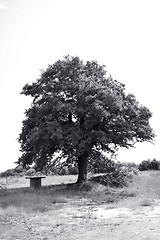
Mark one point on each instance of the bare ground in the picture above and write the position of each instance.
(135, 214)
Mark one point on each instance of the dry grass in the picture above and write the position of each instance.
(147, 184)
(17, 195)
(56, 212)
(143, 191)
(29, 200)
(52, 196)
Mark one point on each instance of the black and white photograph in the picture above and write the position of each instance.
(80, 119)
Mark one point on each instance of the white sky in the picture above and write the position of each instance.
(122, 34)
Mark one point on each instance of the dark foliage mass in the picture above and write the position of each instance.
(147, 165)
(77, 109)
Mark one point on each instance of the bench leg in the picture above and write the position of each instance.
(35, 183)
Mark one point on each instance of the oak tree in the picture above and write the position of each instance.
(77, 109)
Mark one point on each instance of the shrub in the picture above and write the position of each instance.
(119, 177)
(147, 165)
(98, 163)
(8, 173)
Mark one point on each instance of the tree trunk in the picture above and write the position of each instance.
(82, 168)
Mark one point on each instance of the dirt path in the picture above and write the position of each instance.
(78, 222)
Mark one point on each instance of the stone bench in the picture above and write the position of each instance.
(35, 181)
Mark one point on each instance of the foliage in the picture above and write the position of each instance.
(76, 110)
(99, 163)
(118, 177)
(30, 172)
(149, 165)
(17, 171)
(8, 173)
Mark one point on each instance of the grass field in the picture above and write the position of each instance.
(55, 212)
(19, 182)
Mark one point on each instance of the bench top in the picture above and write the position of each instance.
(35, 177)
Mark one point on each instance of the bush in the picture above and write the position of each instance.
(98, 163)
(119, 177)
(147, 165)
(8, 173)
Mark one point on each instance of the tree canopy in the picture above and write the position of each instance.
(78, 109)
